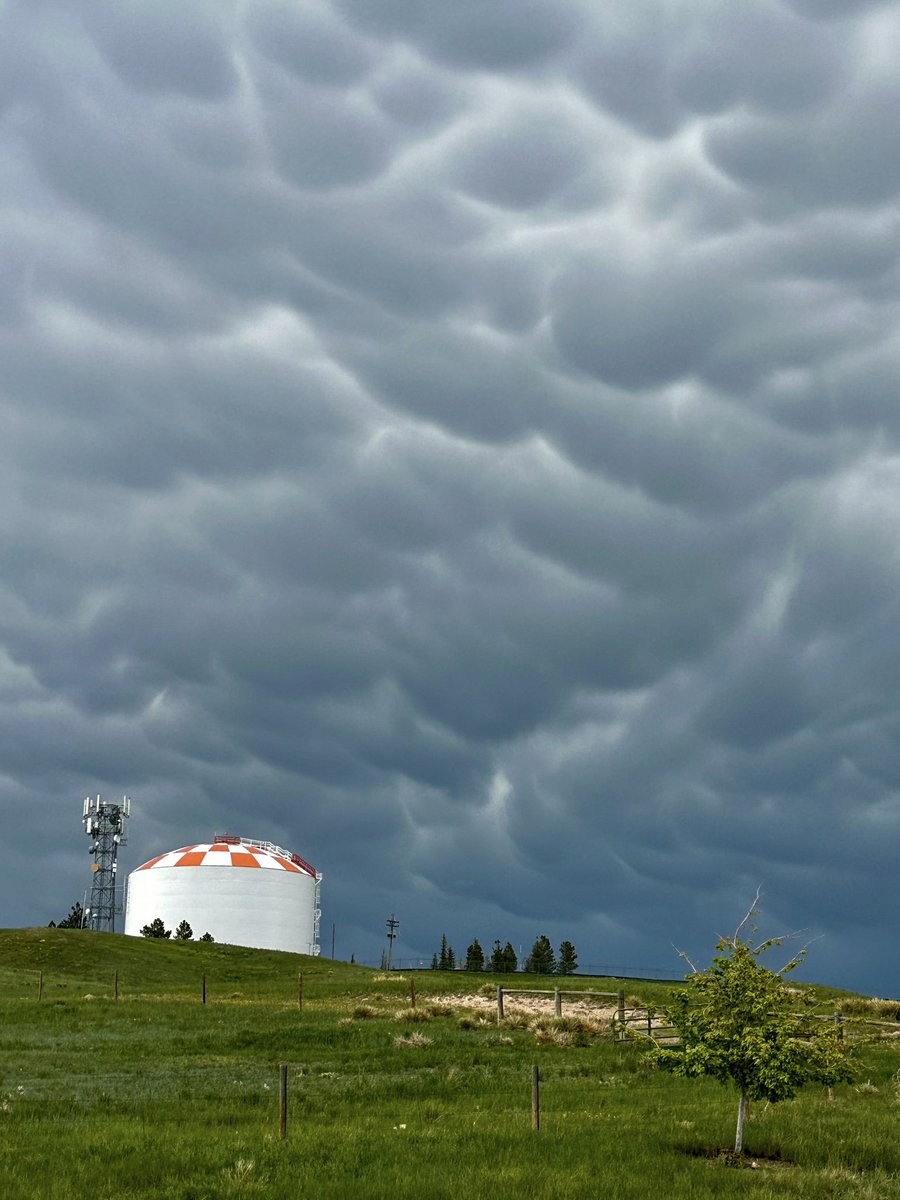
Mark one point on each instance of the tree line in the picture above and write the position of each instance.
(184, 933)
(156, 928)
(504, 960)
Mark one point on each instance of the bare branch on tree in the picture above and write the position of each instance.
(681, 954)
(751, 913)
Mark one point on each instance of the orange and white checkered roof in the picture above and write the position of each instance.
(233, 853)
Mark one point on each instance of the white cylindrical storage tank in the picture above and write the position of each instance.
(243, 892)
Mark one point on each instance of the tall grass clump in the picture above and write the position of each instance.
(420, 1015)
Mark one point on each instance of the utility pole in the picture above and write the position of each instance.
(392, 926)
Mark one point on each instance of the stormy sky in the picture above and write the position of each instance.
(461, 443)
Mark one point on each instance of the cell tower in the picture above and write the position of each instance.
(105, 825)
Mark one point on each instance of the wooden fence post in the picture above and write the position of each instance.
(116, 986)
(283, 1100)
(203, 990)
(412, 991)
(499, 1005)
(557, 1001)
(41, 986)
(300, 990)
(620, 1016)
(535, 1098)
(649, 1022)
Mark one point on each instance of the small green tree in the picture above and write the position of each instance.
(156, 929)
(475, 957)
(541, 960)
(434, 961)
(509, 959)
(738, 1023)
(567, 963)
(183, 933)
(207, 937)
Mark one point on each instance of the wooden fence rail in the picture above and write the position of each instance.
(558, 995)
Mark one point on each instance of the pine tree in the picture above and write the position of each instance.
(475, 957)
(207, 937)
(567, 963)
(156, 929)
(510, 959)
(75, 918)
(447, 959)
(434, 961)
(497, 960)
(541, 960)
(183, 933)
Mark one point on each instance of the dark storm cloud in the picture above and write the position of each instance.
(460, 442)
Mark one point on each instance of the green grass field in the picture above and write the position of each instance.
(157, 1095)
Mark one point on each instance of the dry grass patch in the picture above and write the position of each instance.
(412, 1040)
(413, 1014)
(365, 1012)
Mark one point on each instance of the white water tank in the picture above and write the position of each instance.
(242, 891)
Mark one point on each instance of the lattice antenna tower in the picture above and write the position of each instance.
(105, 826)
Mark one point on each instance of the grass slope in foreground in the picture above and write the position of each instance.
(157, 1095)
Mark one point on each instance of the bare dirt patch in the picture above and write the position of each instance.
(531, 1006)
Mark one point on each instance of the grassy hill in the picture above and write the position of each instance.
(158, 1095)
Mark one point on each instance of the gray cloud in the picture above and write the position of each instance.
(459, 442)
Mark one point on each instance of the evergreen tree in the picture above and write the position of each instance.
(207, 937)
(510, 959)
(446, 959)
(541, 960)
(156, 929)
(74, 919)
(434, 961)
(183, 933)
(497, 960)
(475, 957)
(567, 963)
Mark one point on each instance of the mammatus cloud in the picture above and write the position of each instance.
(460, 442)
